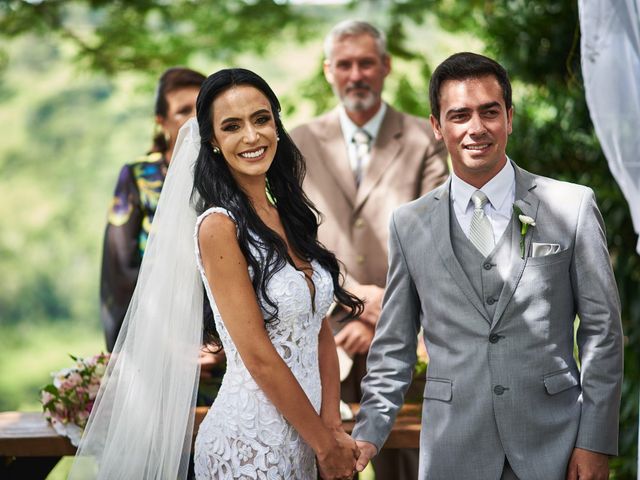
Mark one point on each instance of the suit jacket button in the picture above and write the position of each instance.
(487, 266)
(360, 259)
(491, 301)
(499, 389)
(494, 338)
(359, 223)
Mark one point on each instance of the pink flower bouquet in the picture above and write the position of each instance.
(67, 401)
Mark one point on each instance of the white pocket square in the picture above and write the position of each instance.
(543, 249)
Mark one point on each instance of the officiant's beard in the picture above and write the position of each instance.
(355, 103)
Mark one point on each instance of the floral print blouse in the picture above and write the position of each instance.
(129, 220)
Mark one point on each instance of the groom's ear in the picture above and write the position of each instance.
(435, 124)
(510, 119)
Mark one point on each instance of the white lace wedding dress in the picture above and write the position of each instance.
(244, 435)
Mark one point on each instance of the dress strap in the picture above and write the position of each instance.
(208, 212)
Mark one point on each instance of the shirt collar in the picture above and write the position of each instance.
(372, 127)
(498, 190)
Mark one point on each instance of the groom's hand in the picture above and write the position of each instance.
(367, 452)
(586, 465)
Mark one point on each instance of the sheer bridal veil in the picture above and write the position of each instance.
(142, 422)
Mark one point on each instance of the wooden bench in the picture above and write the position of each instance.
(29, 444)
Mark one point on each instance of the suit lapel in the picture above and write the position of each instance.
(337, 160)
(384, 151)
(440, 224)
(528, 203)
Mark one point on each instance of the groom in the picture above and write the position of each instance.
(495, 265)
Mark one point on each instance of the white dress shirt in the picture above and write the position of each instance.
(501, 192)
(372, 127)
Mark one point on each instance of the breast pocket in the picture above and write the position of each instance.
(546, 260)
(438, 389)
(544, 281)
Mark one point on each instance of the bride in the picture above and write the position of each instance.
(233, 194)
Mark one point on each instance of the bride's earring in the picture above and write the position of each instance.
(216, 150)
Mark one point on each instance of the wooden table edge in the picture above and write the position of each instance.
(27, 434)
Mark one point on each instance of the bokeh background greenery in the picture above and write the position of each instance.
(77, 84)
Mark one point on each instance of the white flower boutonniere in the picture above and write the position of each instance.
(525, 222)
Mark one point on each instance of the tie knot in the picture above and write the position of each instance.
(479, 199)
(361, 137)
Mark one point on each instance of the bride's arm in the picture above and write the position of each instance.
(226, 270)
(329, 377)
(330, 380)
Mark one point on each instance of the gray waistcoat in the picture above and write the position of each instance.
(486, 274)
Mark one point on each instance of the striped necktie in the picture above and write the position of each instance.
(362, 141)
(481, 233)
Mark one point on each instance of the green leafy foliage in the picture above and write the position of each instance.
(117, 36)
(64, 138)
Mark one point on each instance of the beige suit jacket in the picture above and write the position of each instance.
(406, 162)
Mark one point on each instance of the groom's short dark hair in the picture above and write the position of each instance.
(463, 66)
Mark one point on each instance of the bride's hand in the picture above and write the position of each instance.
(338, 462)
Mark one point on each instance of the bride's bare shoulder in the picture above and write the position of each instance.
(218, 233)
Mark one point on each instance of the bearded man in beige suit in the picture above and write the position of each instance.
(364, 159)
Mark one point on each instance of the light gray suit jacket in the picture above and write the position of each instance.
(507, 384)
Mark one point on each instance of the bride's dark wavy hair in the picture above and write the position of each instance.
(214, 185)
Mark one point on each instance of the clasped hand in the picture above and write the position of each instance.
(339, 462)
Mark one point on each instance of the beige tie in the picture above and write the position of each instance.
(481, 233)
(363, 147)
